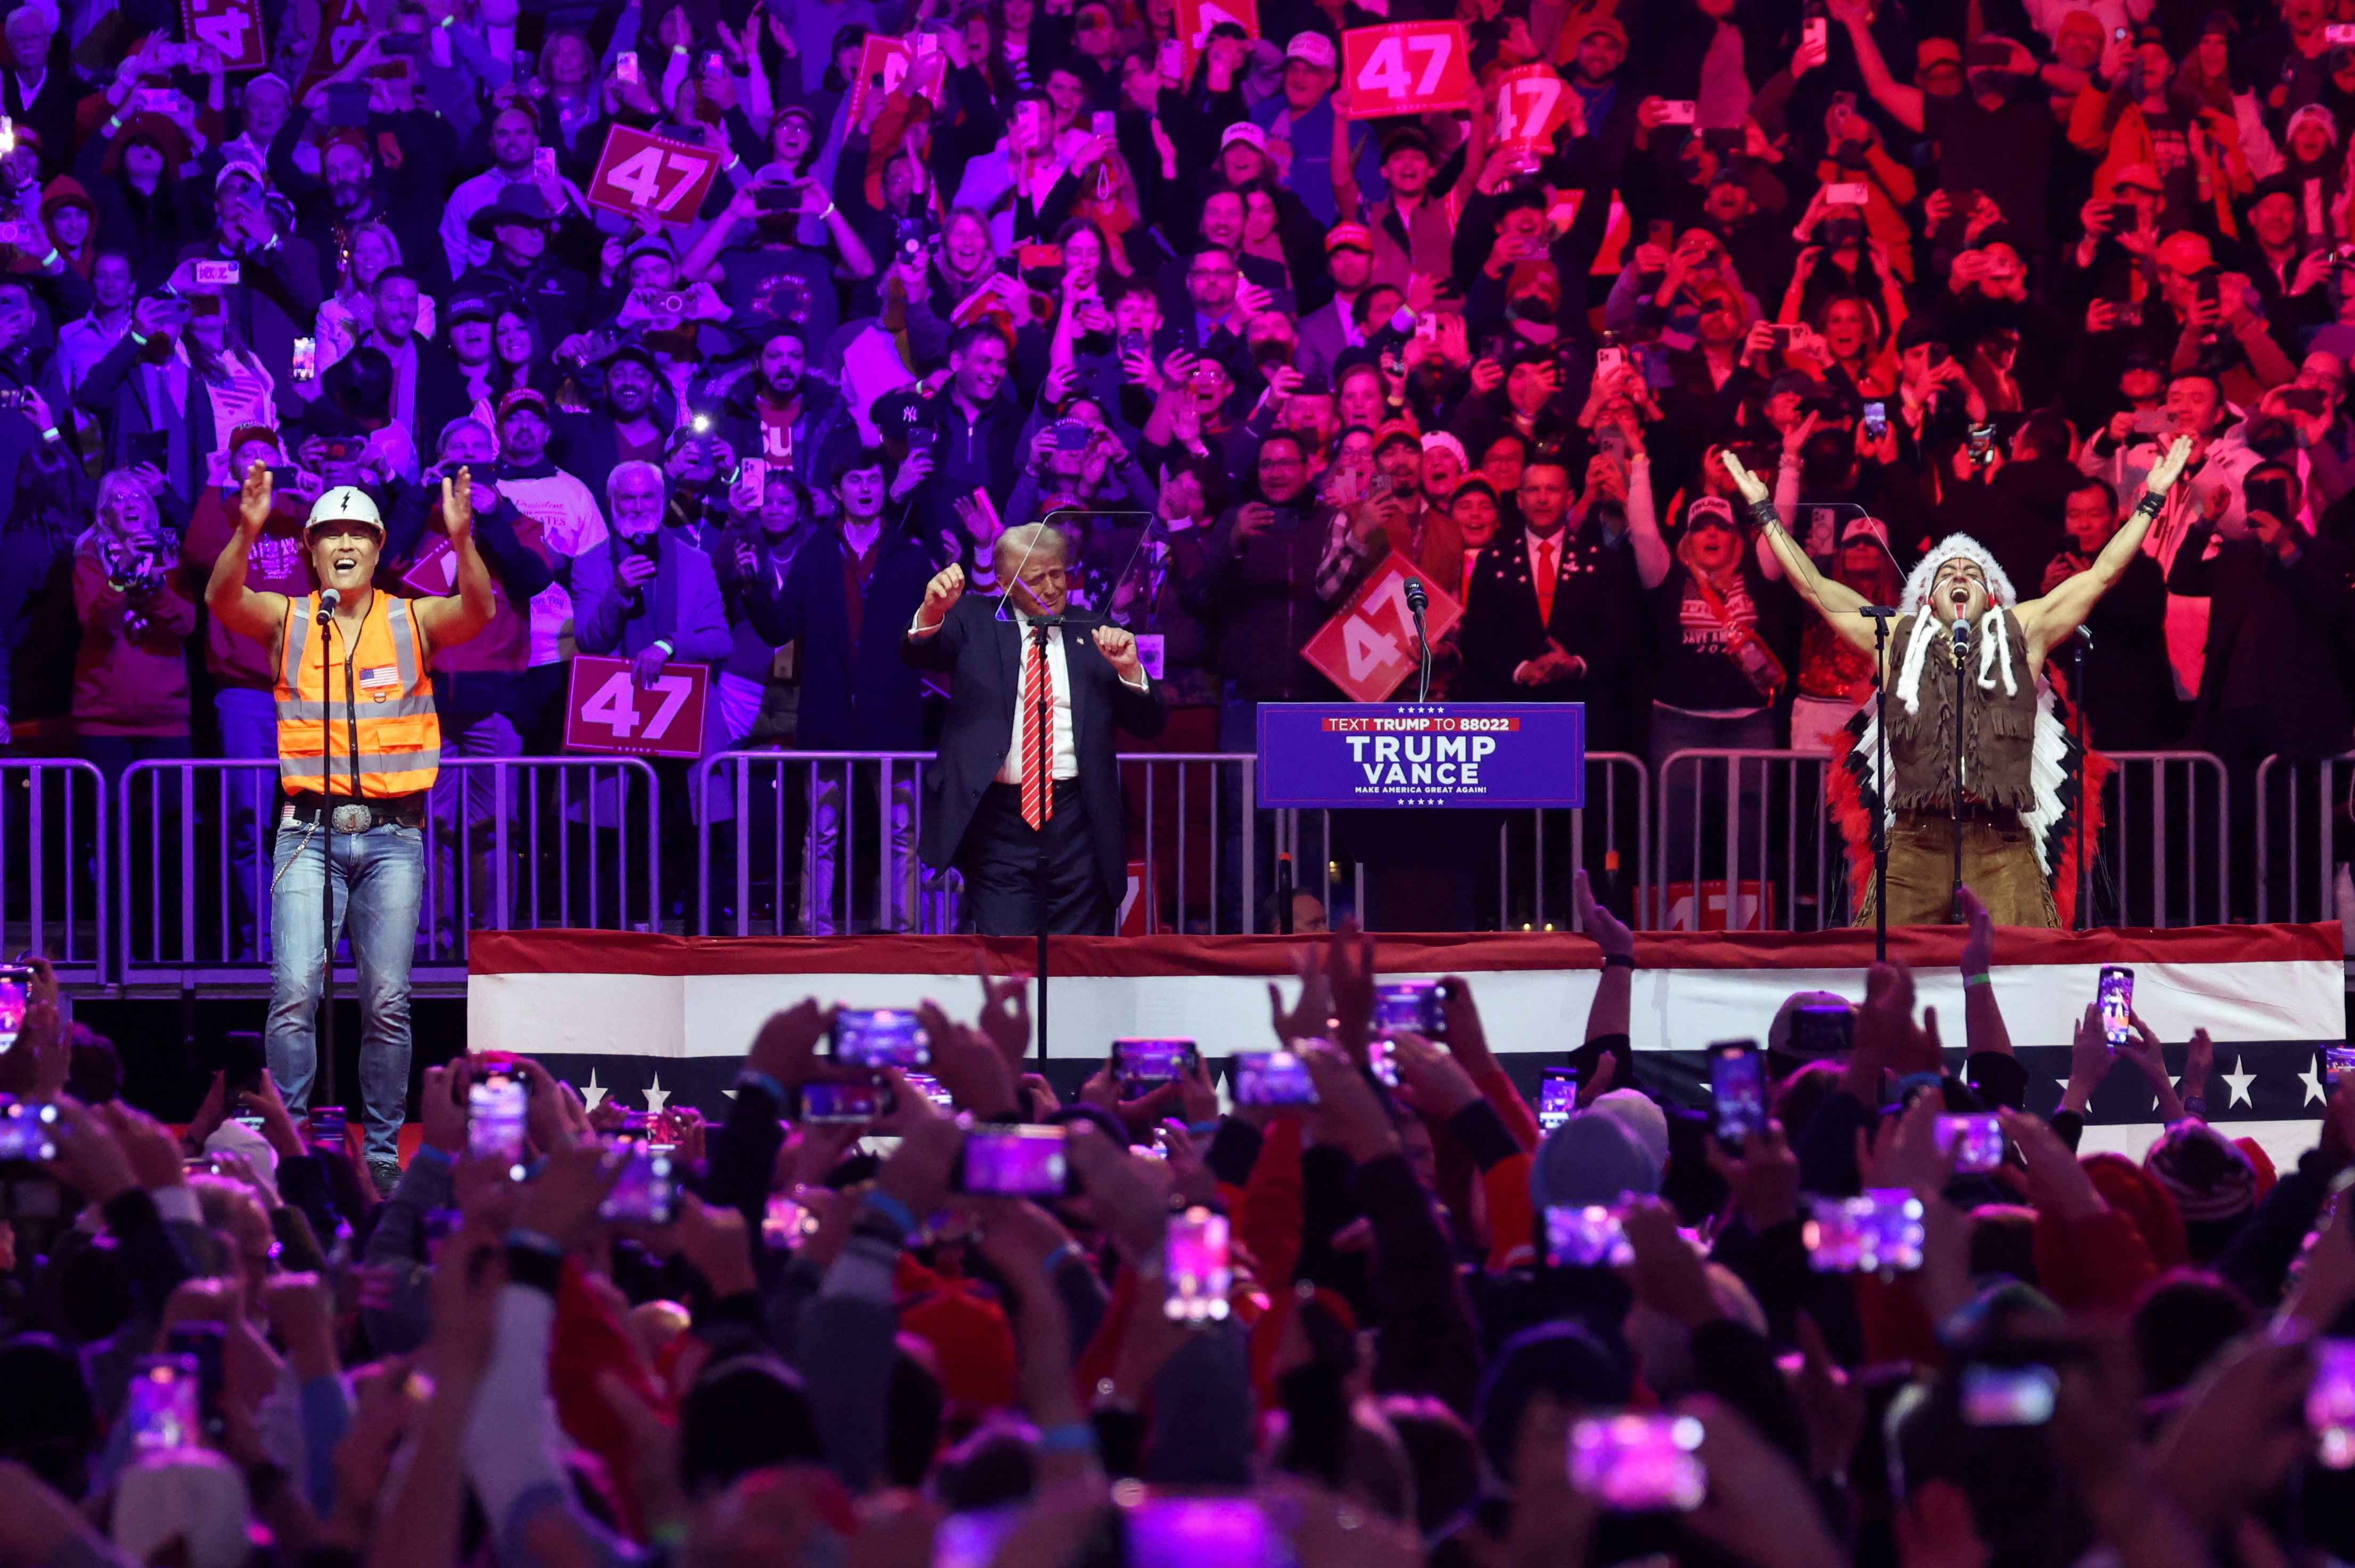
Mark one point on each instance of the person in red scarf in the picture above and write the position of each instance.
(1835, 677)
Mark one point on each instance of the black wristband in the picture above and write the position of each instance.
(264, 1479)
(1618, 961)
(2151, 504)
(1484, 1135)
(1762, 512)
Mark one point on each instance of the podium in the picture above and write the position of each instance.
(1400, 755)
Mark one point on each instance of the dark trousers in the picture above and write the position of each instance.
(999, 859)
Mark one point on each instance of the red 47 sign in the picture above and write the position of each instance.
(880, 59)
(890, 62)
(343, 27)
(667, 178)
(434, 572)
(1197, 17)
(1531, 105)
(1369, 648)
(1406, 67)
(232, 28)
(606, 710)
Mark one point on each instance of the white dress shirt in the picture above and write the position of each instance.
(1066, 753)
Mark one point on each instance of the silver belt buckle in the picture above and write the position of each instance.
(353, 819)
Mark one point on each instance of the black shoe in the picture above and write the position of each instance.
(386, 1174)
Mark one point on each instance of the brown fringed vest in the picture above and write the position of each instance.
(1998, 728)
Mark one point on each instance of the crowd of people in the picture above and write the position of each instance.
(1926, 270)
(1397, 1318)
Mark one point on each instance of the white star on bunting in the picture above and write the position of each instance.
(2240, 1078)
(592, 1094)
(656, 1096)
(2312, 1079)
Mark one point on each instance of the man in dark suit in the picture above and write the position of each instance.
(1012, 789)
(1551, 613)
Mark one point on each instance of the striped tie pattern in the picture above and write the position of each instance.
(1038, 736)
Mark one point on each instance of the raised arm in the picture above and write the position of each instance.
(258, 615)
(2048, 621)
(454, 619)
(1837, 603)
(1904, 103)
(1652, 557)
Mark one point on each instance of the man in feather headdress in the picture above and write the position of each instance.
(2016, 766)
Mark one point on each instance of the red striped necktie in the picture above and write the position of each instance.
(1038, 734)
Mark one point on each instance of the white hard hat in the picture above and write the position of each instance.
(345, 504)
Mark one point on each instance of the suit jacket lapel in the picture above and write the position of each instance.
(1007, 629)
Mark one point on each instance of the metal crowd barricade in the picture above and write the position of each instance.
(192, 858)
(788, 841)
(55, 890)
(1611, 834)
(2304, 813)
(508, 844)
(802, 843)
(1610, 839)
(1746, 844)
(538, 843)
(2163, 856)
(1191, 818)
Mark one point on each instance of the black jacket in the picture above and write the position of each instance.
(1597, 615)
(984, 655)
(2300, 613)
(855, 696)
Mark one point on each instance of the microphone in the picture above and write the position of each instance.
(2086, 634)
(1960, 631)
(328, 599)
(1878, 611)
(1417, 601)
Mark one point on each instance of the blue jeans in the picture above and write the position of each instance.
(380, 881)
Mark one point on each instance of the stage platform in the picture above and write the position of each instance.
(654, 1021)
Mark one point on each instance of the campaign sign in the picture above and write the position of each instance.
(882, 63)
(1369, 646)
(1405, 68)
(667, 178)
(232, 28)
(1197, 17)
(1532, 104)
(1345, 754)
(343, 27)
(434, 572)
(606, 710)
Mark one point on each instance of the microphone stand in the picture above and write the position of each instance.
(2079, 644)
(1881, 615)
(1046, 709)
(1961, 636)
(1417, 601)
(323, 1068)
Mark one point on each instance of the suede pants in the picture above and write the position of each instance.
(1998, 865)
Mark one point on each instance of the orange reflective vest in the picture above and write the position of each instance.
(375, 699)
